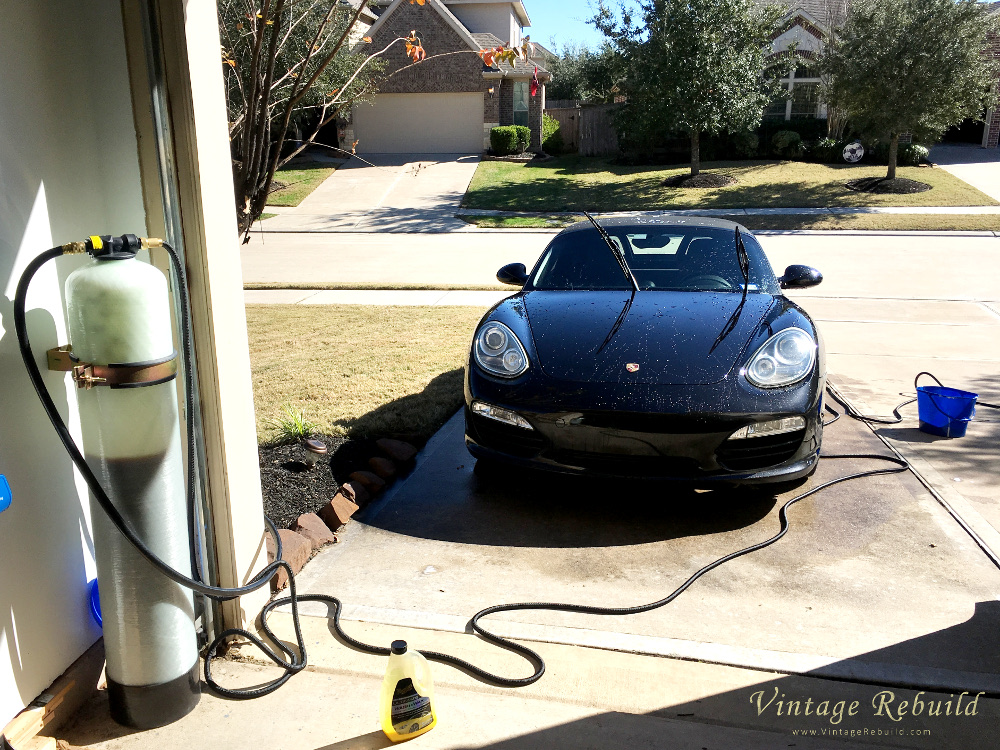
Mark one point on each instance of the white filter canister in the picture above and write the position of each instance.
(118, 312)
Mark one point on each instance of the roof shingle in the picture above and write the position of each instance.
(485, 40)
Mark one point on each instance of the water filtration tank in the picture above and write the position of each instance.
(118, 312)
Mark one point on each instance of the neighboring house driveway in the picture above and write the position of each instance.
(980, 167)
(395, 193)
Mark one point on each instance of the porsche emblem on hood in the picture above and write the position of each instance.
(632, 367)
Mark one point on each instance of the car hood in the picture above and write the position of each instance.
(675, 338)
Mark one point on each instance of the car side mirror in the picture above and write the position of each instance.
(800, 277)
(514, 274)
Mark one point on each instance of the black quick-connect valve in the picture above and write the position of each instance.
(107, 247)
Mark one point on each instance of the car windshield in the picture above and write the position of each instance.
(662, 258)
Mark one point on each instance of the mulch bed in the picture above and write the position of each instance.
(882, 185)
(703, 180)
(290, 489)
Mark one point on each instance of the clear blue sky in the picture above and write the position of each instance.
(564, 21)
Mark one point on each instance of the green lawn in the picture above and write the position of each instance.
(573, 183)
(300, 181)
(885, 222)
(358, 369)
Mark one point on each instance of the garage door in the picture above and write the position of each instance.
(420, 123)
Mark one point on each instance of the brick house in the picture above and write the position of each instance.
(448, 105)
(807, 27)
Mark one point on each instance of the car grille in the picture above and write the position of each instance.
(759, 452)
(623, 465)
(515, 441)
(670, 424)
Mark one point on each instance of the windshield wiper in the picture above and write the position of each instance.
(619, 256)
(744, 261)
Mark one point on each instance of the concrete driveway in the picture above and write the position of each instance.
(392, 193)
(980, 167)
(877, 580)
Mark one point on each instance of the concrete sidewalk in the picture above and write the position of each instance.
(588, 700)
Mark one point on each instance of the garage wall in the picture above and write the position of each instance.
(68, 169)
(420, 123)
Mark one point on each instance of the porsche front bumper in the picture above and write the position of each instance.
(683, 436)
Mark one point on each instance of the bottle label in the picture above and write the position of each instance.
(411, 711)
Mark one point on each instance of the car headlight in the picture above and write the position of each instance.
(498, 351)
(785, 358)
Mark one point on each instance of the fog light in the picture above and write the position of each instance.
(500, 415)
(771, 427)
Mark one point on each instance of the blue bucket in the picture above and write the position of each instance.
(943, 411)
(95, 603)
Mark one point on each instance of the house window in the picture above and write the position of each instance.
(804, 101)
(776, 109)
(521, 103)
(805, 97)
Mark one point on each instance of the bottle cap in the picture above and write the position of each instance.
(399, 647)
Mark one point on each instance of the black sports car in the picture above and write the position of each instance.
(650, 348)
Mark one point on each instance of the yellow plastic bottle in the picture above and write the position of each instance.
(406, 705)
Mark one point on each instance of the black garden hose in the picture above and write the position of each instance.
(295, 663)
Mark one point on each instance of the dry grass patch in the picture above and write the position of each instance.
(357, 369)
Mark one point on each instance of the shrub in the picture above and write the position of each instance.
(810, 128)
(912, 155)
(907, 155)
(509, 139)
(828, 151)
(787, 144)
(552, 140)
(744, 144)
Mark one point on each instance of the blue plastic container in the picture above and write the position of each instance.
(943, 411)
(95, 603)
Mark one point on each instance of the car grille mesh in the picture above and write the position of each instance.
(623, 465)
(759, 452)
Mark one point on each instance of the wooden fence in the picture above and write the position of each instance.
(588, 129)
(569, 125)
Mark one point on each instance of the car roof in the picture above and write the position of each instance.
(656, 221)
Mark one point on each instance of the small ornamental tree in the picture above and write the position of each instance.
(912, 66)
(695, 66)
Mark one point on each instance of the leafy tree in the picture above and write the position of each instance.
(912, 66)
(567, 73)
(694, 66)
(603, 74)
(581, 73)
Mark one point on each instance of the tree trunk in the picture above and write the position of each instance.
(893, 152)
(695, 154)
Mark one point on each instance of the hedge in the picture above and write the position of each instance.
(509, 139)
